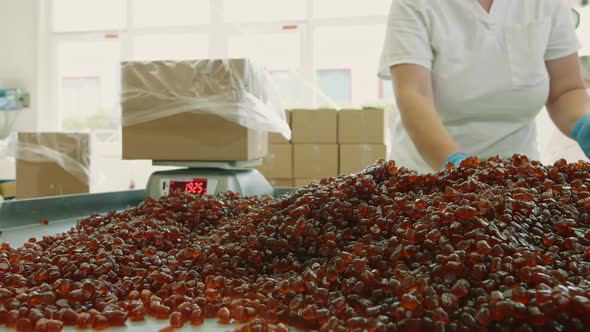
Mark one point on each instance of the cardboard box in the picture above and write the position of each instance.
(315, 161)
(278, 163)
(304, 182)
(52, 164)
(281, 183)
(363, 126)
(193, 137)
(8, 189)
(167, 110)
(356, 157)
(314, 126)
(276, 138)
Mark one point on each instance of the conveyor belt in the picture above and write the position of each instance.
(30, 211)
(21, 220)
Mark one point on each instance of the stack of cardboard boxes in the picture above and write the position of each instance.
(315, 145)
(363, 136)
(326, 143)
(162, 118)
(277, 166)
(312, 153)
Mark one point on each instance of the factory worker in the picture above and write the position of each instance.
(470, 76)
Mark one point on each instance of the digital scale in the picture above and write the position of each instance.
(208, 178)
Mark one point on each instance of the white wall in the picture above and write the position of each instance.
(19, 35)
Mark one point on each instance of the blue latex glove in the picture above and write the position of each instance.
(455, 159)
(581, 133)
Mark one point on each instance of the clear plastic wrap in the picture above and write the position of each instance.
(7, 153)
(237, 90)
(71, 151)
(7, 121)
(8, 146)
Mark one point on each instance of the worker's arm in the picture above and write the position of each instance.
(568, 98)
(413, 92)
(569, 102)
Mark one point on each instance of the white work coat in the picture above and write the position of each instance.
(488, 69)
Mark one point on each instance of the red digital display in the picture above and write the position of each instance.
(196, 186)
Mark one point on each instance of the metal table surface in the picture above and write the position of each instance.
(20, 220)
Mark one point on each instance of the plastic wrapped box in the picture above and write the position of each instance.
(209, 110)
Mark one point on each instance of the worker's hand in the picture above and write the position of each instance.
(581, 133)
(455, 159)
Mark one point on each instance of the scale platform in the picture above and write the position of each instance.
(229, 165)
(208, 178)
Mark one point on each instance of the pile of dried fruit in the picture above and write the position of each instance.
(502, 246)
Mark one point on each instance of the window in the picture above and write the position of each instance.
(80, 98)
(291, 89)
(88, 83)
(280, 53)
(274, 50)
(386, 91)
(179, 46)
(263, 10)
(350, 8)
(335, 84)
(325, 54)
(88, 15)
(356, 48)
(163, 13)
